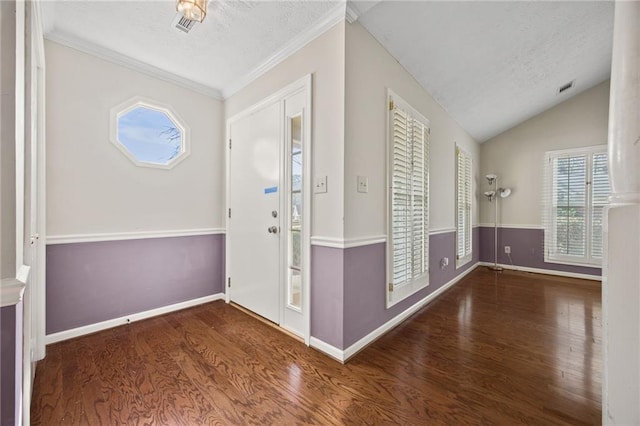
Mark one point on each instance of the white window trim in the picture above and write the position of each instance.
(468, 257)
(138, 101)
(401, 292)
(549, 223)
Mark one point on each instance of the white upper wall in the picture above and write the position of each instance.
(517, 155)
(370, 71)
(324, 59)
(92, 188)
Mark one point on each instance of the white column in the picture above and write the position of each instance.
(621, 266)
(624, 105)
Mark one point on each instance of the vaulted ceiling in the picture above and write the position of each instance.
(491, 65)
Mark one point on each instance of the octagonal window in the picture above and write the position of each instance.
(149, 134)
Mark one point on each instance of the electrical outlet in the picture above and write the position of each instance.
(363, 184)
(444, 262)
(320, 185)
(507, 249)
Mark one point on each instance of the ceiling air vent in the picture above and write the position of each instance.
(183, 24)
(566, 87)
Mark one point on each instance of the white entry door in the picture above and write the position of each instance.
(254, 216)
(269, 201)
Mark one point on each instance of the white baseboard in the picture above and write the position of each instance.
(327, 349)
(545, 271)
(92, 328)
(344, 355)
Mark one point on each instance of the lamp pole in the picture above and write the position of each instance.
(495, 227)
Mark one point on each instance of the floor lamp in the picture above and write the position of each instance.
(492, 195)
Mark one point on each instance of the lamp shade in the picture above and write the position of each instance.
(194, 10)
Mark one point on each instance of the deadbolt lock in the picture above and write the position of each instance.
(274, 213)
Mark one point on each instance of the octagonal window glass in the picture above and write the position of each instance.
(148, 134)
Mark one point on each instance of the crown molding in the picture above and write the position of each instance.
(342, 11)
(128, 62)
(352, 13)
(355, 9)
(328, 21)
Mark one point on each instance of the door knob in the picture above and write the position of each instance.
(273, 229)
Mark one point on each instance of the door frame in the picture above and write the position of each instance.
(38, 126)
(30, 263)
(303, 84)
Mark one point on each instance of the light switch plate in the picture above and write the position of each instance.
(320, 185)
(363, 184)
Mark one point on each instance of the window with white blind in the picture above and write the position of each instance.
(408, 248)
(578, 189)
(464, 182)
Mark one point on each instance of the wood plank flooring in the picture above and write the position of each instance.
(498, 348)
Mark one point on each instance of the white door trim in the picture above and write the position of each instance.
(39, 284)
(23, 381)
(19, 130)
(303, 84)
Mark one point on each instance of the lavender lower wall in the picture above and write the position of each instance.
(348, 287)
(365, 279)
(98, 281)
(327, 297)
(10, 362)
(527, 249)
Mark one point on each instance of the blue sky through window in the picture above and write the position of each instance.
(150, 135)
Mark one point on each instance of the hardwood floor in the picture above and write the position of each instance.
(509, 348)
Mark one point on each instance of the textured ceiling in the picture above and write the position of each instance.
(492, 65)
(234, 38)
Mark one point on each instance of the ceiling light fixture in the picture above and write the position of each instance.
(194, 10)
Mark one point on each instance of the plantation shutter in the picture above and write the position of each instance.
(580, 190)
(570, 204)
(463, 204)
(599, 195)
(409, 197)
